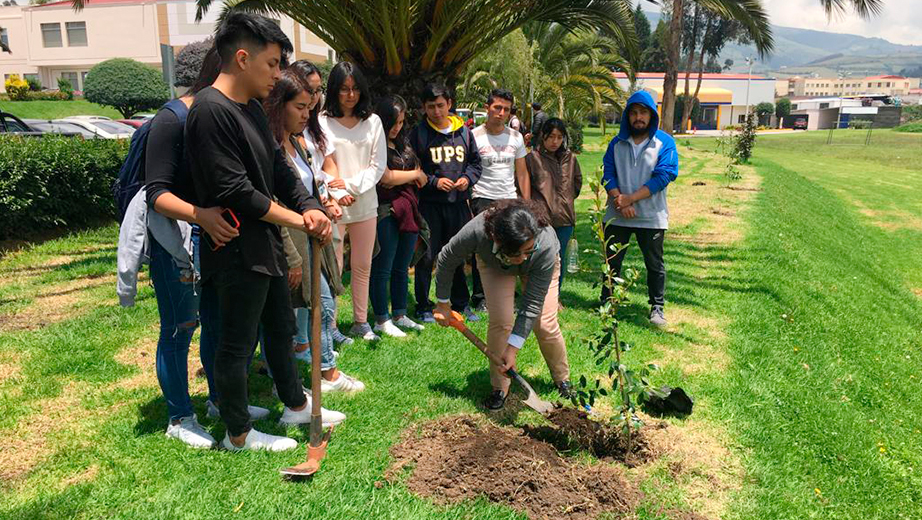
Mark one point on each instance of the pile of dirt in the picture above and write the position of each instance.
(461, 457)
(573, 429)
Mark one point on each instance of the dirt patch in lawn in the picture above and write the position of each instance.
(463, 458)
(54, 304)
(693, 359)
(917, 291)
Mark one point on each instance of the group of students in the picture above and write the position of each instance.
(261, 155)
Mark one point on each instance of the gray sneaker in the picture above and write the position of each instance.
(427, 317)
(658, 317)
(341, 339)
(470, 315)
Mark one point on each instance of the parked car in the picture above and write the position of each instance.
(105, 128)
(143, 117)
(90, 118)
(133, 123)
(66, 128)
(10, 124)
(800, 124)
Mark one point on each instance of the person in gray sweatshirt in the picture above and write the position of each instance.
(638, 165)
(512, 239)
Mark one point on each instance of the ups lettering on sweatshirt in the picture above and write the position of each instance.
(446, 154)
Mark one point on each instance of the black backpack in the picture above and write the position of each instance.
(129, 180)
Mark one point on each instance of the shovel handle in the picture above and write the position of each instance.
(456, 321)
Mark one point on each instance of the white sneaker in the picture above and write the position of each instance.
(257, 440)
(327, 417)
(406, 323)
(389, 329)
(256, 412)
(189, 431)
(363, 331)
(343, 383)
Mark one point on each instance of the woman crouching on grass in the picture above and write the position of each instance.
(513, 239)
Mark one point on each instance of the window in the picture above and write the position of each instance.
(742, 119)
(82, 80)
(824, 105)
(72, 77)
(27, 77)
(76, 34)
(51, 35)
(793, 106)
(5, 37)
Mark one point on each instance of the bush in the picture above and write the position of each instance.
(575, 131)
(189, 62)
(55, 181)
(16, 88)
(50, 95)
(34, 84)
(860, 124)
(745, 141)
(913, 128)
(126, 85)
(66, 87)
(912, 113)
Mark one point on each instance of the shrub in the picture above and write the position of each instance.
(126, 85)
(745, 141)
(860, 124)
(66, 87)
(49, 95)
(189, 62)
(912, 113)
(56, 181)
(16, 88)
(913, 128)
(34, 84)
(575, 131)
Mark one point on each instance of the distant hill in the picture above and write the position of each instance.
(805, 51)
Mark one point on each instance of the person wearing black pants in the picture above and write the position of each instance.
(449, 157)
(236, 164)
(650, 242)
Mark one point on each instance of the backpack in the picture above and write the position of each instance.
(129, 180)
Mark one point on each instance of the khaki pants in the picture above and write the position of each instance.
(499, 289)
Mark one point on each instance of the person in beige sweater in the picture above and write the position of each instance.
(361, 157)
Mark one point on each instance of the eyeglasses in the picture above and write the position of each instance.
(507, 259)
(316, 91)
(345, 91)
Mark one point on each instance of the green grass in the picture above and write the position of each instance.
(812, 312)
(56, 109)
(914, 128)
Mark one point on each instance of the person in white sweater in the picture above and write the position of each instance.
(360, 148)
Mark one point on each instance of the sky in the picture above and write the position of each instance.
(899, 22)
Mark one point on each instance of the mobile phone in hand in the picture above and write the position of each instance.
(231, 219)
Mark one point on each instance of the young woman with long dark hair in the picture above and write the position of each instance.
(399, 223)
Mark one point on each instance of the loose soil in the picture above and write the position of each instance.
(462, 458)
(574, 429)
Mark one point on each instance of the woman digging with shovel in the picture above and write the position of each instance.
(513, 239)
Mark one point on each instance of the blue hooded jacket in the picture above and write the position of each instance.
(655, 167)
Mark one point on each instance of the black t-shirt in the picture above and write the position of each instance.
(165, 169)
(236, 163)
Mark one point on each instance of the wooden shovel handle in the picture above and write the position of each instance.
(456, 321)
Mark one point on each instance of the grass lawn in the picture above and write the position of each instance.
(794, 308)
(56, 109)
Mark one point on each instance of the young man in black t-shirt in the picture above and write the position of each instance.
(237, 164)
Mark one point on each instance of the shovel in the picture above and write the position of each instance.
(317, 448)
(531, 397)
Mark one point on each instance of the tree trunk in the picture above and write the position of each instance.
(671, 79)
(689, 104)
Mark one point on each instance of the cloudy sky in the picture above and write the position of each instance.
(900, 21)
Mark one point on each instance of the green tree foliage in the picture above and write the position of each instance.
(66, 88)
(782, 108)
(401, 45)
(509, 64)
(126, 85)
(764, 112)
(654, 55)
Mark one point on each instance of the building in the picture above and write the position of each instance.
(833, 87)
(723, 97)
(53, 41)
(831, 112)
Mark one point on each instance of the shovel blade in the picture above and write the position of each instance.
(531, 397)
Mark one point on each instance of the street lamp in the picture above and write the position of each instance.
(750, 61)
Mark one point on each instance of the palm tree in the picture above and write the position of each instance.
(402, 44)
(578, 70)
(752, 15)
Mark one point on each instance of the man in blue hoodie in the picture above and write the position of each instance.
(449, 157)
(640, 162)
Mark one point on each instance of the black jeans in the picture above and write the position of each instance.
(478, 206)
(651, 245)
(445, 220)
(247, 299)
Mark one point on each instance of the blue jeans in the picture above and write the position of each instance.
(563, 236)
(178, 302)
(391, 265)
(327, 312)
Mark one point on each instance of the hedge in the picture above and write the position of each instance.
(54, 181)
(912, 128)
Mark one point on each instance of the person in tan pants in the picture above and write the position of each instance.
(513, 239)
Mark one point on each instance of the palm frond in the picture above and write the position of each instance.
(863, 8)
(751, 14)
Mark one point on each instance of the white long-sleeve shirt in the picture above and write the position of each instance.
(361, 157)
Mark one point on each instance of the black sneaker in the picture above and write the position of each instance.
(495, 401)
(566, 389)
